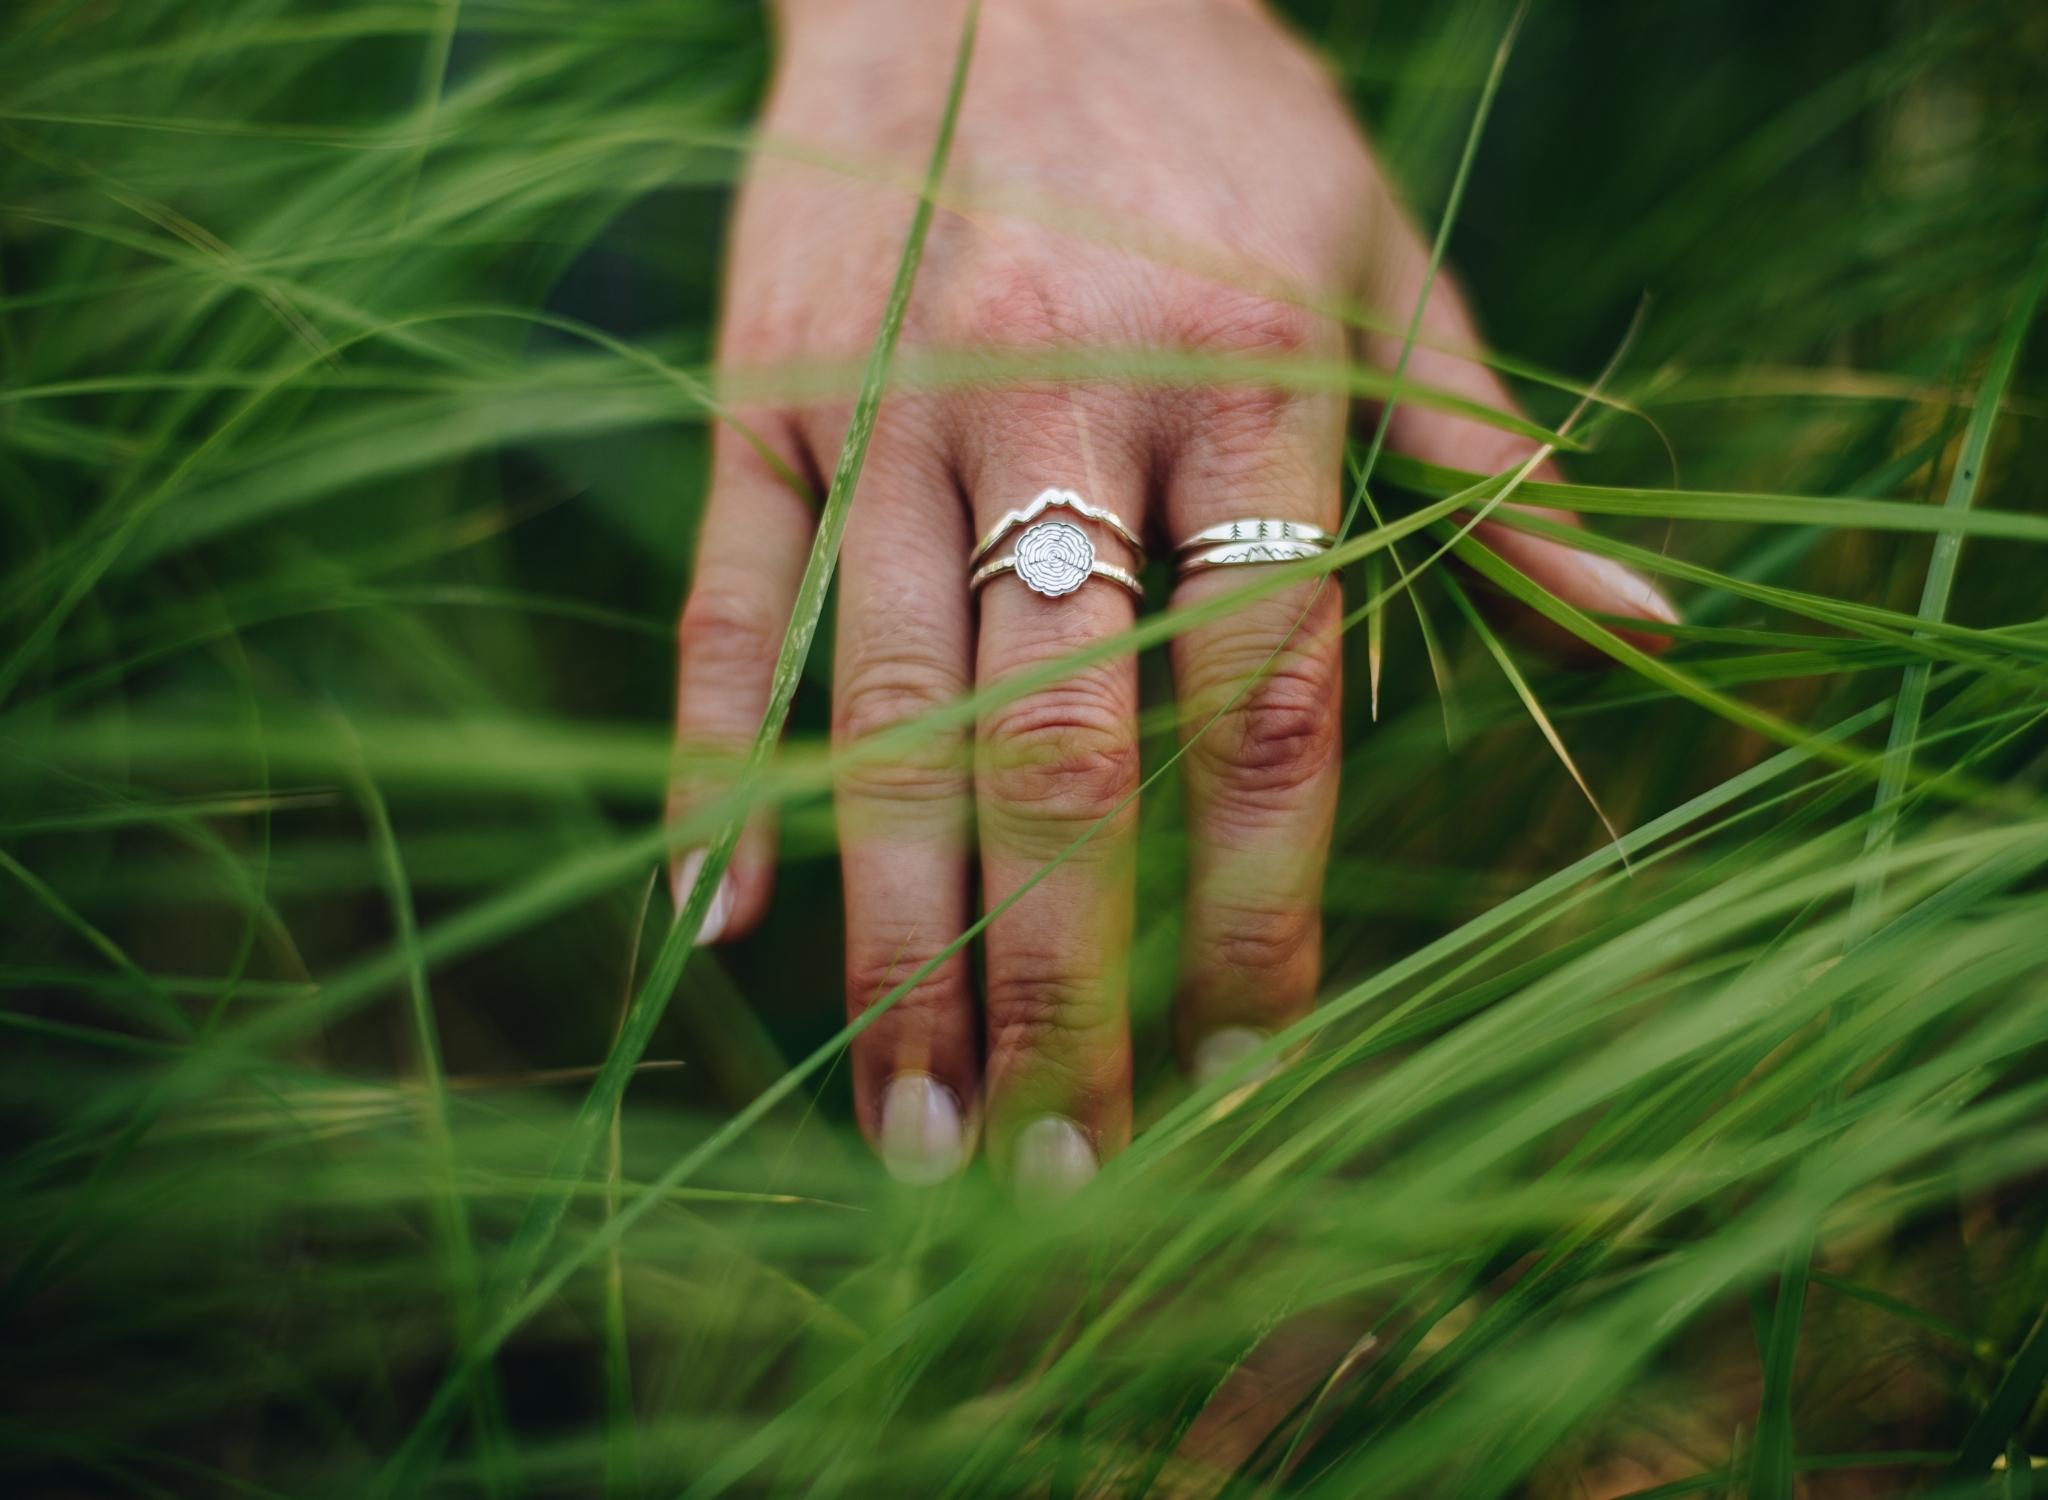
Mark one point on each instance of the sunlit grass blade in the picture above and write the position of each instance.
(1520, 684)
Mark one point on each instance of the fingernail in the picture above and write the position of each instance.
(1223, 1049)
(1614, 588)
(1053, 1159)
(921, 1135)
(719, 912)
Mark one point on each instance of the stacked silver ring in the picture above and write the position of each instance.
(1259, 540)
(1054, 558)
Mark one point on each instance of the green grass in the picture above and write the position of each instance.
(1673, 1120)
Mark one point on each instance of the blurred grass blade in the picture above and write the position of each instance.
(1375, 630)
(1776, 1436)
(1948, 546)
(1474, 133)
(543, 1217)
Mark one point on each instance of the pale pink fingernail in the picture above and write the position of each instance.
(922, 1137)
(1052, 1159)
(1223, 1049)
(718, 915)
(1613, 588)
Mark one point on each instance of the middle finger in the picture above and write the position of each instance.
(1051, 765)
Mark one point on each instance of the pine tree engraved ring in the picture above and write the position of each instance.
(1233, 544)
(1054, 558)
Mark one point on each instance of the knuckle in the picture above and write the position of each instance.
(874, 970)
(1055, 1020)
(724, 630)
(1245, 940)
(1009, 304)
(881, 694)
(1250, 324)
(1238, 416)
(887, 692)
(931, 769)
(1068, 755)
(1276, 738)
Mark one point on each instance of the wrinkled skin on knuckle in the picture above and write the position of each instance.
(1266, 418)
(1272, 743)
(1008, 302)
(1020, 315)
(725, 634)
(1232, 321)
(916, 766)
(898, 672)
(1051, 1023)
(1252, 939)
(1276, 729)
(883, 961)
(1066, 757)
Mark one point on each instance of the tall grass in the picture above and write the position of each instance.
(372, 1130)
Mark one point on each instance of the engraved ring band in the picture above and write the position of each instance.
(1233, 544)
(1256, 530)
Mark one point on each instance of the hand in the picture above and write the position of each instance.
(1199, 126)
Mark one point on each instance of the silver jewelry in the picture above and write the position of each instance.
(1238, 554)
(1054, 558)
(1257, 530)
(1045, 501)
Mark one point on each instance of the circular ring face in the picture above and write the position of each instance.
(1054, 558)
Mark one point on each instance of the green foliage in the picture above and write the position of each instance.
(353, 403)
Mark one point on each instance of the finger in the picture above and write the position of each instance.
(1051, 765)
(751, 552)
(905, 817)
(1258, 692)
(1591, 582)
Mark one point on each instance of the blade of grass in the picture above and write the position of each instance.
(2019, 1387)
(1735, 506)
(622, 1460)
(1479, 625)
(538, 1228)
(1375, 631)
(1776, 1437)
(1520, 684)
(464, 1268)
(1438, 245)
(544, 1214)
(1948, 546)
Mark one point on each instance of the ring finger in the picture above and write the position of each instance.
(1258, 689)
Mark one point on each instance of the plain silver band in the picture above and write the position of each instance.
(1249, 553)
(1099, 568)
(1256, 529)
(1046, 500)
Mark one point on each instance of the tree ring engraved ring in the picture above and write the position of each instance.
(1066, 500)
(1054, 558)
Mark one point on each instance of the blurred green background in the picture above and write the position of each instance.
(352, 437)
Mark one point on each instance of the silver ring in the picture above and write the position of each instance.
(1257, 530)
(1054, 558)
(1239, 554)
(1045, 501)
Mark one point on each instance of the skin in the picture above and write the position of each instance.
(1160, 175)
